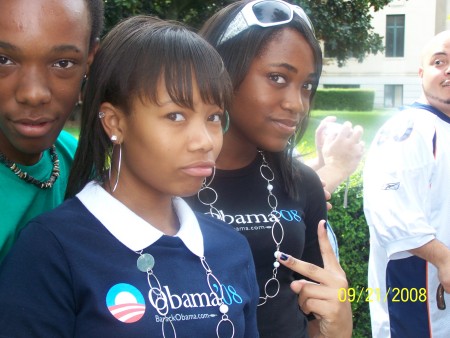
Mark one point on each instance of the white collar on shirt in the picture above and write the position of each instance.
(130, 229)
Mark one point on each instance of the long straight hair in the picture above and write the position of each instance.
(130, 61)
(239, 52)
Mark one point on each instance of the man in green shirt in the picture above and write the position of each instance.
(46, 47)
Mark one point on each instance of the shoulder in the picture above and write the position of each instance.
(66, 144)
(410, 124)
(70, 214)
(306, 176)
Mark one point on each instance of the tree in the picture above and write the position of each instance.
(344, 25)
(191, 12)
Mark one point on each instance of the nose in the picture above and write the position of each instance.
(294, 102)
(200, 138)
(33, 88)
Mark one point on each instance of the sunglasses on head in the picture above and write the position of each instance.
(264, 13)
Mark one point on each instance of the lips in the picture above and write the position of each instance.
(199, 169)
(286, 126)
(33, 127)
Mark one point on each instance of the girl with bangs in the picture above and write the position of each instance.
(125, 256)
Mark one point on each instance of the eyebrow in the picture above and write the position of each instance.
(60, 48)
(285, 65)
(66, 48)
(291, 68)
(8, 46)
(439, 54)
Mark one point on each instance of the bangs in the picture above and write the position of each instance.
(182, 59)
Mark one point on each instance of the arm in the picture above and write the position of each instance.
(437, 254)
(397, 179)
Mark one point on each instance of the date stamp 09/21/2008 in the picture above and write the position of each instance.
(396, 295)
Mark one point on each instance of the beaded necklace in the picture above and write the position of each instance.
(272, 285)
(146, 262)
(23, 175)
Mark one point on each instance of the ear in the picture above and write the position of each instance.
(113, 121)
(420, 72)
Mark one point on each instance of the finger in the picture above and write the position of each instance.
(328, 256)
(357, 133)
(311, 271)
(346, 131)
(324, 122)
(327, 194)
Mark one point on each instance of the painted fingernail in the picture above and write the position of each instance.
(283, 257)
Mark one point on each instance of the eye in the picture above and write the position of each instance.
(5, 61)
(308, 86)
(215, 117)
(64, 64)
(176, 117)
(439, 62)
(277, 78)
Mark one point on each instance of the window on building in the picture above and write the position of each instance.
(395, 35)
(393, 96)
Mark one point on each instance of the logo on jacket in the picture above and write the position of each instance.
(125, 303)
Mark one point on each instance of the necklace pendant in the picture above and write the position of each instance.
(145, 262)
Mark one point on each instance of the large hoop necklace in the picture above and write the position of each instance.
(272, 285)
(23, 175)
(146, 262)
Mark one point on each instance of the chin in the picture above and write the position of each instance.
(189, 191)
(274, 147)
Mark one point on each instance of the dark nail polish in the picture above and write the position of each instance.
(283, 257)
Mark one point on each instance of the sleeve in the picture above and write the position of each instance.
(397, 178)
(315, 211)
(36, 297)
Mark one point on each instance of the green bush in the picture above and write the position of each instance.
(344, 99)
(352, 233)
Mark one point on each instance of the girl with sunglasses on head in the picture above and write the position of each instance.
(126, 257)
(278, 203)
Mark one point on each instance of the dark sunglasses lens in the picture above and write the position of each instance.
(271, 11)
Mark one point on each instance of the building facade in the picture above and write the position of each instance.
(406, 26)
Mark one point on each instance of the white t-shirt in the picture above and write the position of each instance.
(407, 204)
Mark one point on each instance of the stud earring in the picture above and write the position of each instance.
(113, 138)
(101, 114)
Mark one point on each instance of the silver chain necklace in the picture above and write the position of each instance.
(268, 175)
(146, 262)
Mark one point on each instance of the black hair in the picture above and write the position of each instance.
(131, 58)
(96, 19)
(239, 52)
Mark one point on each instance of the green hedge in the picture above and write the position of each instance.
(352, 233)
(344, 99)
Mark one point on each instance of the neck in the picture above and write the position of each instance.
(17, 156)
(156, 210)
(237, 152)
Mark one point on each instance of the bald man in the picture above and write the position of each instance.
(407, 206)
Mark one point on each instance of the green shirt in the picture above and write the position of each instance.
(20, 201)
